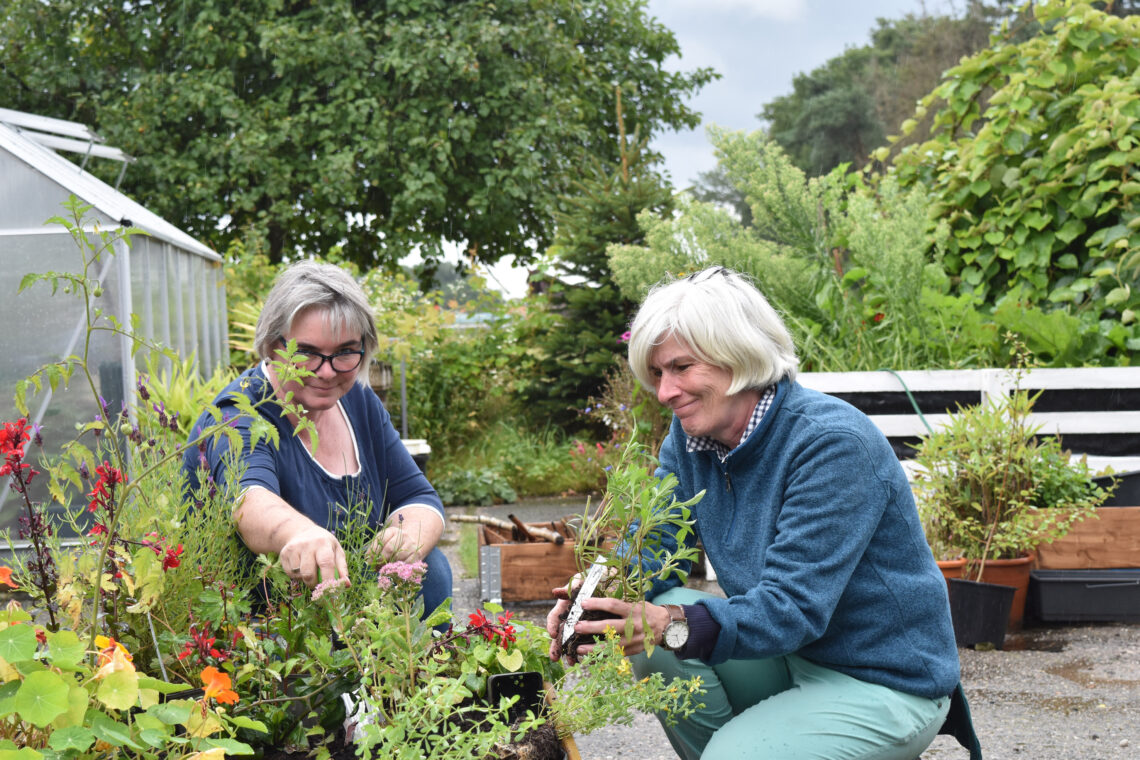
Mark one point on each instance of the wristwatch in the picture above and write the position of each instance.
(676, 633)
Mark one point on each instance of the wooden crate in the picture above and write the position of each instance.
(1110, 540)
(523, 571)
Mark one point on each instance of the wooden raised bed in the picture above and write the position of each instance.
(1110, 539)
(514, 570)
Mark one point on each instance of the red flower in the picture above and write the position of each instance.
(201, 643)
(13, 437)
(171, 560)
(878, 317)
(103, 492)
(98, 530)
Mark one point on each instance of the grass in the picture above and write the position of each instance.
(535, 463)
(469, 550)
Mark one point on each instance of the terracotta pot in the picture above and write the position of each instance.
(952, 568)
(1011, 572)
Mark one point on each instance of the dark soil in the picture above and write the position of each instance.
(570, 648)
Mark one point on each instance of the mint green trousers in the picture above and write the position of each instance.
(788, 708)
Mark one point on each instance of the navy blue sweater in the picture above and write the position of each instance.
(388, 476)
(811, 527)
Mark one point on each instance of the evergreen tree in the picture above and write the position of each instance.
(594, 315)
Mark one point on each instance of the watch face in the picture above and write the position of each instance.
(676, 634)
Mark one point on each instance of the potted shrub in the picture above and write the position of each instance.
(992, 490)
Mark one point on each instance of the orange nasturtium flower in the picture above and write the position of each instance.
(6, 576)
(218, 686)
(113, 657)
(108, 647)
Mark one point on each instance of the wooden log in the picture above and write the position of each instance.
(531, 531)
(1111, 539)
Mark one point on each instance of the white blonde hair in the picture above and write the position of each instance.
(724, 320)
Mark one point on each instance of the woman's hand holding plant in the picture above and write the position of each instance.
(635, 623)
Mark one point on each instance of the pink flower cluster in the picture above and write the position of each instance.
(407, 572)
(329, 586)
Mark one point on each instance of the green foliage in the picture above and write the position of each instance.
(846, 264)
(158, 573)
(610, 698)
(534, 463)
(630, 410)
(840, 112)
(654, 528)
(602, 210)
(479, 487)
(312, 125)
(1031, 168)
(180, 390)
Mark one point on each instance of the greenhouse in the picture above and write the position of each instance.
(164, 281)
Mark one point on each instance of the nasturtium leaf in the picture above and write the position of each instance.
(241, 721)
(111, 731)
(14, 615)
(65, 648)
(18, 643)
(148, 682)
(154, 737)
(41, 698)
(24, 753)
(119, 690)
(73, 737)
(231, 746)
(172, 713)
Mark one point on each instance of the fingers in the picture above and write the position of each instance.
(394, 545)
(314, 556)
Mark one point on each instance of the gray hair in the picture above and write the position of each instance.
(307, 285)
(721, 316)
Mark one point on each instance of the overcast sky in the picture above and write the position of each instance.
(758, 47)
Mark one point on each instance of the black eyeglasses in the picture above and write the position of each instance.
(341, 361)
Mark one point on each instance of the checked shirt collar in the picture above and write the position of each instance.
(708, 443)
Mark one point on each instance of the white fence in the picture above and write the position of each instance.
(1095, 410)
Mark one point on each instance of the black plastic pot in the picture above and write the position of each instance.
(1127, 490)
(980, 612)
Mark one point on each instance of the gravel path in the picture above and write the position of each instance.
(1054, 693)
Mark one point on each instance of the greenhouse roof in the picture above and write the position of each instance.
(90, 189)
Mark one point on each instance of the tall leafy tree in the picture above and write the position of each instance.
(376, 124)
(842, 111)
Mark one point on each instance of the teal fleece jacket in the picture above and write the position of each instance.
(812, 529)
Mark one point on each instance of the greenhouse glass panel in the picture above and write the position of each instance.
(166, 284)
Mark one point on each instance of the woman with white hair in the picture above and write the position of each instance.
(834, 639)
(294, 497)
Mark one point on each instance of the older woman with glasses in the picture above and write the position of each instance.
(833, 638)
(293, 498)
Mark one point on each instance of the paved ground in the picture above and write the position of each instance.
(1054, 693)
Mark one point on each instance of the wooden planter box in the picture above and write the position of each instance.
(523, 571)
(1111, 539)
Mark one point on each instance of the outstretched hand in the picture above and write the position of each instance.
(313, 555)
